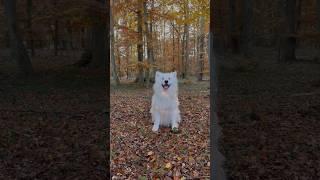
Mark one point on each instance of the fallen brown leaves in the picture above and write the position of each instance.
(52, 127)
(138, 153)
(268, 131)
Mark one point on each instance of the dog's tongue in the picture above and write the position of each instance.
(165, 86)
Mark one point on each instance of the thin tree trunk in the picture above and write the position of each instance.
(18, 50)
(99, 39)
(180, 57)
(185, 48)
(164, 46)
(216, 158)
(113, 61)
(152, 59)
(127, 59)
(56, 32)
(201, 49)
(318, 15)
(185, 51)
(29, 12)
(289, 46)
(119, 59)
(232, 28)
(196, 47)
(140, 77)
(246, 33)
(173, 46)
(148, 42)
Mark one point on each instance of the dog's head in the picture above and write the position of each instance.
(166, 81)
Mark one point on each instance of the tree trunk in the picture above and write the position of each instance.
(56, 32)
(234, 38)
(140, 77)
(99, 39)
(152, 59)
(318, 15)
(148, 41)
(201, 49)
(18, 50)
(289, 41)
(128, 50)
(163, 60)
(29, 21)
(195, 49)
(185, 51)
(118, 57)
(215, 48)
(246, 33)
(113, 61)
(180, 57)
(173, 45)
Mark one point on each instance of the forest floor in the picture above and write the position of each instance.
(139, 153)
(271, 119)
(53, 124)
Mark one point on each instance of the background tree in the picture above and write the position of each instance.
(29, 12)
(318, 14)
(140, 76)
(18, 50)
(246, 33)
(289, 44)
(113, 61)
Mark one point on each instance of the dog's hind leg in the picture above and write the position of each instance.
(156, 121)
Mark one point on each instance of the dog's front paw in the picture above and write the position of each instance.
(175, 130)
(155, 128)
(175, 126)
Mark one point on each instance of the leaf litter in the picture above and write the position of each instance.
(140, 153)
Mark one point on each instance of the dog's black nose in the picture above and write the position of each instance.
(166, 81)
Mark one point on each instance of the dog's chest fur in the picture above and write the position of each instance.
(164, 102)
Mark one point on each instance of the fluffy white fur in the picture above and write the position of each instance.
(165, 103)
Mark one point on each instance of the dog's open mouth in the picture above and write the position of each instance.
(165, 86)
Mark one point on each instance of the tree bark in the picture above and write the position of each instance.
(18, 50)
(318, 15)
(152, 59)
(289, 41)
(201, 49)
(99, 39)
(128, 53)
(140, 77)
(173, 45)
(148, 41)
(185, 49)
(246, 33)
(215, 55)
(56, 32)
(29, 22)
(113, 61)
(234, 38)
(164, 46)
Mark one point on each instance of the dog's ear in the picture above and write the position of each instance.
(174, 74)
(157, 73)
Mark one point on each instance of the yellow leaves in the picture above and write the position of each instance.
(168, 165)
(144, 65)
(179, 158)
(191, 160)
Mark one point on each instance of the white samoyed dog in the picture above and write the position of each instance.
(165, 103)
